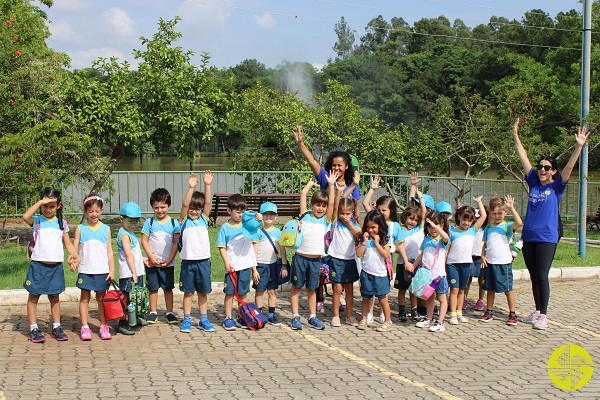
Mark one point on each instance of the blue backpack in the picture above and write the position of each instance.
(291, 234)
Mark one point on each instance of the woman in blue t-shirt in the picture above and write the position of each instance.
(540, 231)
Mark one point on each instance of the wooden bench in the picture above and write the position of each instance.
(288, 205)
(593, 221)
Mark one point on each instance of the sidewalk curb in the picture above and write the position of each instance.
(71, 294)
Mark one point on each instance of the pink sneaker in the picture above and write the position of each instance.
(86, 334)
(105, 332)
(479, 306)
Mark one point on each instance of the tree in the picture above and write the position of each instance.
(345, 39)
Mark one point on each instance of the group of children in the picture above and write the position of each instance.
(248, 243)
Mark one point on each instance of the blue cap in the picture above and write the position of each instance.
(250, 226)
(443, 207)
(268, 207)
(429, 203)
(131, 210)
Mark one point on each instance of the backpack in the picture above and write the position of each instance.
(248, 312)
(140, 297)
(324, 275)
(422, 285)
(31, 244)
(291, 234)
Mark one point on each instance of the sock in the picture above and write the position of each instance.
(312, 316)
(453, 313)
(153, 313)
(228, 317)
(296, 315)
(458, 313)
(271, 311)
(55, 325)
(188, 316)
(85, 326)
(204, 317)
(33, 326)
(169, 312)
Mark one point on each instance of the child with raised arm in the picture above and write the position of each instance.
(195, 252)
(496, 259)
(374, 249)
(160, 235)
(433, 256)
(306, 264)
(459, 259)
(131, 261)
(46, 274)
(97, 267)
(267, 253)
(239, 256)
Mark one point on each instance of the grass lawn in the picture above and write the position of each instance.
(14, 263)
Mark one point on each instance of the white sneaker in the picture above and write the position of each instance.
(541, 323)
(531, 318)
(462, 319)
(423, 324)
(370, 319)
(381, 318)
(437, 327)
(453, 320)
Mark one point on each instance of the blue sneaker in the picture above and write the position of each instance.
(273, 320)
(242, 324)
(296, 324)
(186, 325)
(205, 325)
(316, 324)
(229, 324)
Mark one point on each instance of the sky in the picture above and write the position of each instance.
(271, 31)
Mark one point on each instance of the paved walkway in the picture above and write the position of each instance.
(469, 361)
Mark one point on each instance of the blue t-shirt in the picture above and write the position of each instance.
(541, 220)
(322, 179)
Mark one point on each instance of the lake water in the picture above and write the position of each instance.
(200, 163)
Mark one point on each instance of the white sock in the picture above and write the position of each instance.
(55, 325)
(312, 316)
(33, 326)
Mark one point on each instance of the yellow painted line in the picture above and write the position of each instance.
(375, 367)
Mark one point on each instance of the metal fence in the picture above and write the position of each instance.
(137, 186)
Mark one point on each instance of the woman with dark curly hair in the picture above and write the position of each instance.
(540, 230)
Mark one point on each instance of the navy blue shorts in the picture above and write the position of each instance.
(305, 272)
(403, 278)
(476, 267)
(458, 275)
(268, 277)
(45, 278)
(443, 287)
(125, 284)
(343, 271)
(95, 282)
(371, 285)
(498, 278)
(195, 276)
(160, 278)
(243, 282)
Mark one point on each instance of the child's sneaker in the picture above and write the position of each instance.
(316, 324)
(86, 334)
(462, 319)
(487, 316)
(58, 334)
(105, 332)
(384, 327)
(36, 336)
(479, 306)
(296, 323)
(402, 315)
(531, 318)
(152, 318)
(352, 321)
(437, 327)
(205, 325)
(171, 319)
(125, 329)
(415, 315)
(464, 304)
(362, 325)
(273, 320)
(370, 318)
(512, 319)
(541, 323)
(320, 306)
(426, 323)
(453, 320)
(229, 324)
(335, 322)
(141, 322)
(242, 324)
(186, 325)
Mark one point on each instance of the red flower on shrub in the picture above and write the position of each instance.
(16, 38)
(18, 53)
(8, 23)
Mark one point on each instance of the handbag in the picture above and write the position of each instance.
(279, 262)
(113, 302)
(422, 285)
(248, 312)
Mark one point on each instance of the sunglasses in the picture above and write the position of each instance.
(543, 167)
